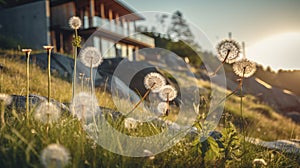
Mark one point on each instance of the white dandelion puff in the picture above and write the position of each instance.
(244, 68)
(90, 56)
(154, 81)
(47, 113)
(55, 155)
(130, 123)
(5, 98)
(167, 93)
(84, 105)
(75, 22)
(162, 107)
(228, 50)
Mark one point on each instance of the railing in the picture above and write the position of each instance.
(113, 27)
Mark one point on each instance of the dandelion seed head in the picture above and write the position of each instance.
(84, 104)
(91, 55)
(55, 155)
(230, 46)
(75, 22)
(244, 68)
(130, 123)
(154, 81)
(5, 98)
(168, 92)
(162, 107)
(47, 112)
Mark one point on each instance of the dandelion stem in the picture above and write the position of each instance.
(27, 54)
(75, 59)
(2, 104)
(91, 75)
(168, 105)
(242, 117)
(143, 98)
(219, 67)
(27, 86)
(49, 74)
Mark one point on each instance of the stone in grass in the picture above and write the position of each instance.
(19, 102)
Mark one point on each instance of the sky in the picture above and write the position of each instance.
(270, 28)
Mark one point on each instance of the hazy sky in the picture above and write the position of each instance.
(267, 23)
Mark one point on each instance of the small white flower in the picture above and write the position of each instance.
(167, 93)
(130, 123)
(75, 22)
(162, 107)
(244, 68)
(154, 81)
(230, 46)
(90, 56)
(26, 50)
(55, 155)
(84, 104)
(259, 162)
(48, 47)
(5, 98)
(149, 154)
(47, 113)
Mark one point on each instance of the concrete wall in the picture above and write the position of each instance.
(27, 23)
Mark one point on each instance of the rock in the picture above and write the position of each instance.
(288, 146)
(19, 102)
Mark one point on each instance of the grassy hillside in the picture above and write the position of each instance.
(22, 140)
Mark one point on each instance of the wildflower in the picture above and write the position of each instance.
(244, 68)
(154, 81)
(130, 123)
(47, 113)
(75, 22)
(259, 162)
(26, 50)
(5, 98)
(84, 105)
(162, 107)
(228, 51)
(55, 155)
(90, 56)
(149, 154)
(48, 47)
(168, 93)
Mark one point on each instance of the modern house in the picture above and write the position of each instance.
(109, 24)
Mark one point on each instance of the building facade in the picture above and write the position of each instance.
(109, 25)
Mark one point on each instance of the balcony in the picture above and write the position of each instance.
(113, 27)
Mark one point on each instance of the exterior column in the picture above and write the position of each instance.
(92, 12)
(61, 39)
(102, 10)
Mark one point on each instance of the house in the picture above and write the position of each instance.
(109, 25)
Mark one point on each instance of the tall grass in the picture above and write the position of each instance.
(22, 143)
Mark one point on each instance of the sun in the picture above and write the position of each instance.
(279, 51)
